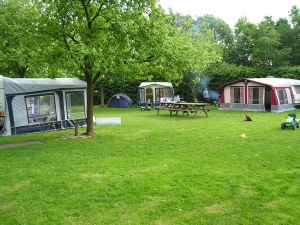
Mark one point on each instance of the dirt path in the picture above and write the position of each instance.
(20, 144)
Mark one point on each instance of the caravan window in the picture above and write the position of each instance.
(236, 94)
(75, 105)
(149, 94)
(282, 96)
(162, 93)
(255, 95)
(41, 108)
(297, 88)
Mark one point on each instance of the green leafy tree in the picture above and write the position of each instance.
(20, 47)
(240, 52)
(131, 38)
(205, 48)
(220, 29)
(100, 38)
(287, 37)
(295, 19)
(182, 22)
(265, 43)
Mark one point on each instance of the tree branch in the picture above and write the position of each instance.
(149, 59)
(98, 12)
(96, 77)
(85, 7)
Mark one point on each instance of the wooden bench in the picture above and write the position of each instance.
(161, 108)
(171, 110)
(185, 108)
(201, 110)
(179, 110)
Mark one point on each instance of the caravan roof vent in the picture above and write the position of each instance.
(270, 76)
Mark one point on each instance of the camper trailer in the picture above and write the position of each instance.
(261, 94)
(154, 92)
(295, 87)
(29, 105)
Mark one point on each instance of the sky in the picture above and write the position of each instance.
(231, 10)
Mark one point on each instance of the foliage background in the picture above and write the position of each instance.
(115, 45)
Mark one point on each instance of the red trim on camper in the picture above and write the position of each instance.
(233, 82)
(274, 100)
(222, 96)
(246, 92)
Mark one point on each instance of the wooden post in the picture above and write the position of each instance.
(76, 129)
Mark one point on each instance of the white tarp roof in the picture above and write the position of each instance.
(25, 85)
(275, 82)
(164, 84)
(271, 81)
(294, 82)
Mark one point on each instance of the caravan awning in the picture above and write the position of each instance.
(163, 84)
(25, 85)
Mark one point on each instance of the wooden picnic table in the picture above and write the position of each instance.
(184, 107)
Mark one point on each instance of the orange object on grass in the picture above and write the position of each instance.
(242, 135)
(248, 118)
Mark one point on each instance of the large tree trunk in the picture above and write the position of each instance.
(90, 99)
(101, 96)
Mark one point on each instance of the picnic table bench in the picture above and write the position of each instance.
(183, 107)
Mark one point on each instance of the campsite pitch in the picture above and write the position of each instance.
(155, 170)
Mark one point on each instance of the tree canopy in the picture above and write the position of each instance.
(115, 41)
(132, 38)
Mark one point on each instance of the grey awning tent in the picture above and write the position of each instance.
(29, 105)
(119, 101)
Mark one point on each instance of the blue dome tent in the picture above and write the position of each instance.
(119, 101)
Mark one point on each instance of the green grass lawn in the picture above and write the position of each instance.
(158, 170)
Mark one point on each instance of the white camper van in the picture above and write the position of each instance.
(29, 105)
(295, 87)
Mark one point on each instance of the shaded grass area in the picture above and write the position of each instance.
(156, 170)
